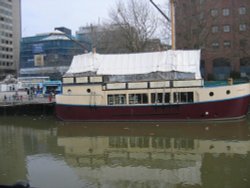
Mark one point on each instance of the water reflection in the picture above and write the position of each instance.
(159, 155)
(54, 154)
(20, 138)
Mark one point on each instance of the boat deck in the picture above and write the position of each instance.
(223, 83)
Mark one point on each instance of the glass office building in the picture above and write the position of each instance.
(49, 54)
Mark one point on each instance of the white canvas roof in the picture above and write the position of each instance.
(187, 61)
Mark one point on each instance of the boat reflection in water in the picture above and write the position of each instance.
(158, 154)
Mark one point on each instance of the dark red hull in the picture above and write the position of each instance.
(216, 110)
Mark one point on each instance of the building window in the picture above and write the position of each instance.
(221, 68)
(243, 27)
(214, 12)
(202, 1)
(243, 43)
(201, 15)
(227, 44)
(242, 10)
(225, 12)
(215, 29)
(215, 45)
(226, 28)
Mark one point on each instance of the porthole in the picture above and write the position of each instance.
(69, 91)
(228, 92)
(88, 90)
(211, 94)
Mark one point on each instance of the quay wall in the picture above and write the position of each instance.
(28, 109)
(13, 103)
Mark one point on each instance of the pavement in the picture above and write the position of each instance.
(21, 97)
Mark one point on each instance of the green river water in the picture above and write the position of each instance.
(52, 154)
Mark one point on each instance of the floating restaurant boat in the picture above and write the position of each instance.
(155, 86)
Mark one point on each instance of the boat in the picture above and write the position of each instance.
(153, 86)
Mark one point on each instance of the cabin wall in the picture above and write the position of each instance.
(223, 93)
(82, 89)
(97, 94)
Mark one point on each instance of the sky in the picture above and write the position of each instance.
(41, 16)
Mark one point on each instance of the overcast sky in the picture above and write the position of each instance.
(39, 16)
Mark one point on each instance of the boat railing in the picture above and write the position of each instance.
(219, 83)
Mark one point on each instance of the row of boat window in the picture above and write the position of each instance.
(143, 98)
(147, 142)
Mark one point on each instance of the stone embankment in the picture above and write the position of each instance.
(20, 103)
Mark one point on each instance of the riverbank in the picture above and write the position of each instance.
(20, 103)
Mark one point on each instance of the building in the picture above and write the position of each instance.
(110, 39)
(10, 35)
(221, 29)
(102, 38)
(48, 54)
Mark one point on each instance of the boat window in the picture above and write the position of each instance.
(139, 142)
(211, 94)
(160, 97)
(161, 142)
(141, 98)
(182, 143)
(118, 142)
(116, 99)
(69, 80)
(69, 91)
(183, 97)
(228, 92)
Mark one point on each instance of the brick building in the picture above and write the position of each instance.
(221, 29)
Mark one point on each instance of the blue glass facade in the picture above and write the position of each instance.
(47, 54)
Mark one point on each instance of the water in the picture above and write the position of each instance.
(53, 154)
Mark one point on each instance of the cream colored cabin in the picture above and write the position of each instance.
(92, 90)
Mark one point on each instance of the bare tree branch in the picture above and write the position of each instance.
(137, 23)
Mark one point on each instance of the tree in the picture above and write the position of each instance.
(136, 23)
